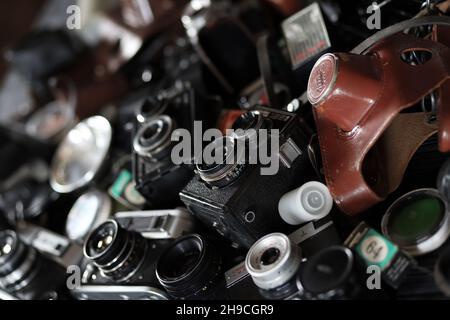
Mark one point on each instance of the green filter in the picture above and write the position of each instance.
(416, 218)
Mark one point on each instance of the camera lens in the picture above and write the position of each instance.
(247, 125)
(272, 261)
(418, 222)
(151, 107)
(18, 262)
(116, 252)
(226, 165)
(327, 274)
(154, 137)
(270, 256)
(151, 134)
(101, 240)
(189, 268)
(249, 120)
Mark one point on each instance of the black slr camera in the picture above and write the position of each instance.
(237, 200)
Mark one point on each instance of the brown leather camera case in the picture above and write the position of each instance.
(366, 142)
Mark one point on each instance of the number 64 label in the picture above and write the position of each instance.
(376, 250)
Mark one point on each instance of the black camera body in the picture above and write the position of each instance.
(26, 274)
(118, 260)
(157, 178)
(247, 208)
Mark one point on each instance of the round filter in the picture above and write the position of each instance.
(418, 222)
(80, 155)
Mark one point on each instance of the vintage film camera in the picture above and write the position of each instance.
(157, 178)
(30, 270)
(119, 261)
(235, 199)
(121, 254)
(279, 271)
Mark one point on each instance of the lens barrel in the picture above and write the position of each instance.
(248, 124)
(153, 139)
(225, 171)
(273, 261)
(190, 269)
(117, 252)
(329, 274)
(19, 263)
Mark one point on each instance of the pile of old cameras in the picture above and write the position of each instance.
(113, 217)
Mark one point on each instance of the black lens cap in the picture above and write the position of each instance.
(326, 271)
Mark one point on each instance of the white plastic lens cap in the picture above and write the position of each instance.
(310, 202)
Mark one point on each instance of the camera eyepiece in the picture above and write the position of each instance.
(272, 261)
(153, 140)
(190, 268)
(222, 173)
(18, 262)
(115, 251)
